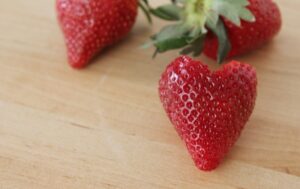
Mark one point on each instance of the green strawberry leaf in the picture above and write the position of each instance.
(194, 18)
(224, 43)
(233, 10)
(171, 37)
(146, 9)
(170, 44)
(212, 18)
(195, 48)
(167, 12)
(247, 15)
(194, 34)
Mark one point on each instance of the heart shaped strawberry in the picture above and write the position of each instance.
(208, 109)
(91, 25)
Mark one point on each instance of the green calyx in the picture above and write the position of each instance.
(145, 7)
(192, 20)
(196, 12)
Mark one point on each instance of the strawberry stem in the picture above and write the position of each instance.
(144, 5)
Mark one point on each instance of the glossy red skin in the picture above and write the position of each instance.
(91, 25)
(208, 109)
(251, 35)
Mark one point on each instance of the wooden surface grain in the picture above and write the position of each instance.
(104, 127)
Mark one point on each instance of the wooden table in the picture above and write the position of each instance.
(104, 127)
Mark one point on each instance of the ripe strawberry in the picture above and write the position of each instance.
(250, 35)
(220, 28)
(208, 109)
(91, 25)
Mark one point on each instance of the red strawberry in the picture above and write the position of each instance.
(250, 35)
(91, 25)
(238, 26)
(208, 109)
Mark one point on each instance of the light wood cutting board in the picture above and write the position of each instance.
(104, 127)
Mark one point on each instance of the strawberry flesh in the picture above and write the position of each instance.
(250, 35)
(91, 25)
